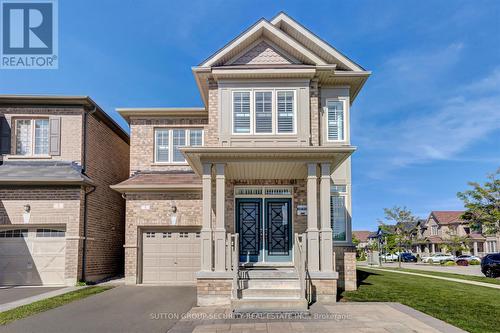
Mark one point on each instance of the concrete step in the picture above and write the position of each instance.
(268, 293)
(269, 283)
(262, 273)
(269, 305)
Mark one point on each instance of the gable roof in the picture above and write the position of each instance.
(447, 217)
(362, 235)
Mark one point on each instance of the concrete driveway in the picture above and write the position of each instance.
(121, 309)
(12, 294)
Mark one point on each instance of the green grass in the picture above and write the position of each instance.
(472, 308)
(450, 275)
(47, 304)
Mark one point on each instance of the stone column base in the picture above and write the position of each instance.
(324, 287)
(214, 288)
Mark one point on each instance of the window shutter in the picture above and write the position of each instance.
(285, 111)
(55, 136)
(335, 120)
(241, 112)
(5, 135)
(264, 112)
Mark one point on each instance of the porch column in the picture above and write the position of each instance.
(475, 248)
(326, 252)
(206, 228)
(312, 218)
(220, 211)
(433, 248)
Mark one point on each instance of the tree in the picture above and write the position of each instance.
(404, 229)
(482, 204)
(455, 243)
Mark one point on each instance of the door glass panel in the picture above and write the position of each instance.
(278, 228)
(249, 216)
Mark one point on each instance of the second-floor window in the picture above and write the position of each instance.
(264, 112)
(434, 230)
(169, 140)
(335, 120)
(32, 137)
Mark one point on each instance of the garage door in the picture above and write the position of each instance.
(30, 256)
(170, 257)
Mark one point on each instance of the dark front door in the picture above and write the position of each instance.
(265, 228)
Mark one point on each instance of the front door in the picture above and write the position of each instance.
(265, 228)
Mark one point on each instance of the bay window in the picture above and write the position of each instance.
(335, 120)
(168, 141)
(264, 112)
(32, 137)
(338, 212)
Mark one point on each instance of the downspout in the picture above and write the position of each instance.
(85, 199)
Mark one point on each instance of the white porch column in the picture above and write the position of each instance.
(220, 211)
(206, 229)
(326, 251)
(475, 248)
(433, 248)
(312, 218)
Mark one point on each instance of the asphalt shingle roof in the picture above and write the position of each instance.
(46, 172)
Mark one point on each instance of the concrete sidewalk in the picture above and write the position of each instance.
(38, 297)
(340, 317)
(476, 283)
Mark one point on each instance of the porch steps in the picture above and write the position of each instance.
(269, 290)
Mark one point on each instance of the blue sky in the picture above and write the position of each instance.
(427, 121)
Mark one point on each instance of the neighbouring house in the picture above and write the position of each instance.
(434, 233)
(60, 222)
(245, 195)
(364, 240)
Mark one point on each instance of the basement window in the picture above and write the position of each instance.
(50, 233)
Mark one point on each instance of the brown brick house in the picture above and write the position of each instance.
(59, 220)
(249, 196)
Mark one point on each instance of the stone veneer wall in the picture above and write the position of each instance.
(153, 210)
(212, 129)
(107, 164)
(44, 213)
(212, 291)
(314, 112)
(345, 265)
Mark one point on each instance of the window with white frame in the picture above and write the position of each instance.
(338, 212)
(32, 136)
(264, 112)
(335, 120)
(434, 230)
(168, 141)
(241, 112)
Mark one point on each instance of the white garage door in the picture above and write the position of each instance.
(170, 257)
(32, 256)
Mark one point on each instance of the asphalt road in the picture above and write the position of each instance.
(122, 309)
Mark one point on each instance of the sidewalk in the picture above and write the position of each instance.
(476, 283)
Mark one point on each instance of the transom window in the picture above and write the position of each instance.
(14, 233)
(336, 120)
(50, 233)
(264, 112)
(338, 211)
(168, 141)
(32, 136)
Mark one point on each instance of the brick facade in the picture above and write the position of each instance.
(345, 265)
(214, 291)
(212, 129)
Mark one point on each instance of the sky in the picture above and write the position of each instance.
(426, 123)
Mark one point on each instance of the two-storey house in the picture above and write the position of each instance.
(434, 234)
(59, 220)
(249, 196)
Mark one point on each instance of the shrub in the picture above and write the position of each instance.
(474, 262)
(448, 263)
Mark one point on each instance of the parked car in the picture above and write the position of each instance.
(408, 257)
(389, 256)
(490, 265)
(465, 259)
(438, 258)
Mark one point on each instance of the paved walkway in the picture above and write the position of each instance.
(36, 296)
(476, 283)
(11, 294)
(341, 317)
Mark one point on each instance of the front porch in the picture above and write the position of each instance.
(266, 237)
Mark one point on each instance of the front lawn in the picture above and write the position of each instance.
(472, 308)
(47, 304)
(445, 274)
